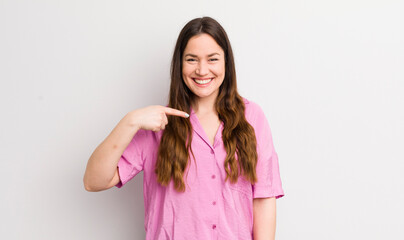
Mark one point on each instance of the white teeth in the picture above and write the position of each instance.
(203, 81)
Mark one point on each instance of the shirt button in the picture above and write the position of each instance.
(213, 176)
(214, 226)
(214, 203)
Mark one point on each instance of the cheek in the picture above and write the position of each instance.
(219, 70)
(186, 69)
(186, 75)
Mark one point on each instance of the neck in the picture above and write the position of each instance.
(204, 105)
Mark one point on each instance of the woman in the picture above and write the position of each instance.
(210, 168)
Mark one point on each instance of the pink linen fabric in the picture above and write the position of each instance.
(210, 208)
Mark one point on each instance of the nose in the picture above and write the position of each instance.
(202, 68)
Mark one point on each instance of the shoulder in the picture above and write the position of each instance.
(253, 111)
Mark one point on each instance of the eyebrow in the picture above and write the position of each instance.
(193, 55)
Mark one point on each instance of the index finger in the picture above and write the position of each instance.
(175, 112)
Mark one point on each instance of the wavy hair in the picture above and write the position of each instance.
(238, 135)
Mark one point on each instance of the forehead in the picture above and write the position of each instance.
(202, 44)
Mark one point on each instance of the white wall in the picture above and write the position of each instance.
(329, 75)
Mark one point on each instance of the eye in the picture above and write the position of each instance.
(190, 60)
(213, 59)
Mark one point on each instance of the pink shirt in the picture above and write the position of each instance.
(210, 208)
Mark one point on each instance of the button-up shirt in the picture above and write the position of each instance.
(210, 207)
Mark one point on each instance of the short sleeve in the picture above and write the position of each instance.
(268, 176)
(132, 159)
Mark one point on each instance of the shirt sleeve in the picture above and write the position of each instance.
(131, 161)
(268, 177)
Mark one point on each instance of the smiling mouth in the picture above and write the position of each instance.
(202, 81)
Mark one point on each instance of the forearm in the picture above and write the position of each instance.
(101, 166)
(264, 218)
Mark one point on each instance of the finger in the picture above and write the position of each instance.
(175, 112)
(156, 129)
(165, 120)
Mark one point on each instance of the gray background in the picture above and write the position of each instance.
(328, 74)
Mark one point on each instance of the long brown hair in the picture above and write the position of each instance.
(238, 135)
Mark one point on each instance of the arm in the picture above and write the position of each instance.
(264, 225)
(102, 172)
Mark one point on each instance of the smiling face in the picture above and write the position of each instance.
(203, 66)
